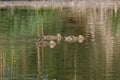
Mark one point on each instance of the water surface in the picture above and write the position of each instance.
(96, 58)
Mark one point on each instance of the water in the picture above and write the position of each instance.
(96, 58)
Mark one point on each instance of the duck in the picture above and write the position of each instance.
(42, 43)
(58, 37)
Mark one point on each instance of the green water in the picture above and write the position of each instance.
(96, 58)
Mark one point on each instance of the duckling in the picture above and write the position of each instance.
(71, 39)
(52, 44)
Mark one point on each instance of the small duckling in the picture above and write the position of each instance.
(52, 44)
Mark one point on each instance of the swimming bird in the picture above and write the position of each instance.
(72, 39)
(42, 43)
(58, 37)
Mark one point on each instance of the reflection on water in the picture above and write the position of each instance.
(84, 44)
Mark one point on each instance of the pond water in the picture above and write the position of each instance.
(95, 58)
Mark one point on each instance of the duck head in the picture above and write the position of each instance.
(80, 38)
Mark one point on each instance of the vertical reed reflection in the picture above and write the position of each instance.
(38, 48)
